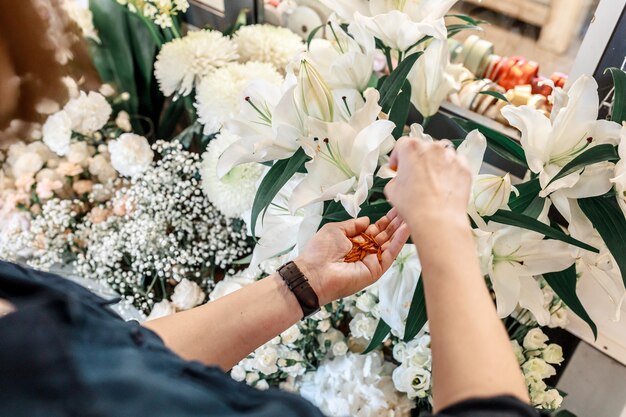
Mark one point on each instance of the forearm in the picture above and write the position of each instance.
(225, 331)
(472, 355)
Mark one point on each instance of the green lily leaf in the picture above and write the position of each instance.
(400, 109)
(591, 156)
(381, 332)
(393, 84)
(417, 318)
(564, 285)
(501, 144)
(274, 180)
(607, 217)
(525, 222)
(618, 112)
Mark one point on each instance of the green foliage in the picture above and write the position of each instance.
(591, 156)
(618, 112)
(394, 83)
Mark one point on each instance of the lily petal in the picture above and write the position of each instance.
(536, 130)
(506, 284)
(532, 299)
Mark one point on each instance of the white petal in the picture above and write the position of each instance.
(505, 277)
(473, 149)
(594, 181)
(536, 130)
(532, 299)
(545, 256)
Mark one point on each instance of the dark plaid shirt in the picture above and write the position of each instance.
(63, 352)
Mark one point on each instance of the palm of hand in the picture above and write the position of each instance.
(333, 278)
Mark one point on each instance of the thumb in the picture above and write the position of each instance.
(354, 227)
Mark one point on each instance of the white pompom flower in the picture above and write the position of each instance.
(130, 154)
(267, 43)
(234, 193)
(57, 132)
(220, 95)
(182, 63)
(89, 112)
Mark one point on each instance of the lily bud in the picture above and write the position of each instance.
(491, 193)
(313, 96)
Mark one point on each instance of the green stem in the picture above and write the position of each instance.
(152, 29)
(426, 122)
(175, 30)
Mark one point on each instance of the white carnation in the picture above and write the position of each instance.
(130, 154)
(238, 373)
(363, 326)
(265, 359)
(234, 193)
(101, 167)
(219, 95)
(57, 132)
(187, 294)
(182, 63)
(161, 309)
(291, 335)
(89, 112)
(267, 43)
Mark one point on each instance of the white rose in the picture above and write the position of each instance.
(161, 309)
(238, 373)
(366, 302)
(88, 112)
(230, 284)
(553, 354)
(265, 359)
(559, 319)
(340, 348)
(419, 356)
(363, 326)
(101, 167)
(79, 154)
(187, 294)
(535, 382)
(540, 367)
(57, 132)
(262, 385)
(552, 399)
(400, 351)
(251, 378)
(130, 154)
(518, 351)
(323, 325)
(291, 335)
(535, 339)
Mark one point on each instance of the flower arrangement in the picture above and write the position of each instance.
(204, 142)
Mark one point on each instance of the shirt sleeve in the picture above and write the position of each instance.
(490, 407)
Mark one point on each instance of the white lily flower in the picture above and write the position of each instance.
(490, 193)
(396, 288)
(596, 269)
(279, 231)
(341, 60)
(551, 143)
(517, 256)
(313, 95)
(620, 171)
(400, 24)
(344, 158)
(268, 123)
(433, 78)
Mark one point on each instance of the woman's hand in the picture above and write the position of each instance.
(432, 182)
(322, 260)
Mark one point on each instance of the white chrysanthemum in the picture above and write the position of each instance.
(89, 112)
(234, 193)
(267, 43)
(220, 94)
(182, 63)
(57, 132)
(130, 154)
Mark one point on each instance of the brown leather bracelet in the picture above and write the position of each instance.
(300, 287)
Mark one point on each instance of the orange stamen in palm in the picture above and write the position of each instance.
(362, 247)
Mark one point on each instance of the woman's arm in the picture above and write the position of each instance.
(472, 355)
(225, 331)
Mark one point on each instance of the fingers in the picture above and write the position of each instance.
(388, 232)
(394, 246)
(353, 227)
